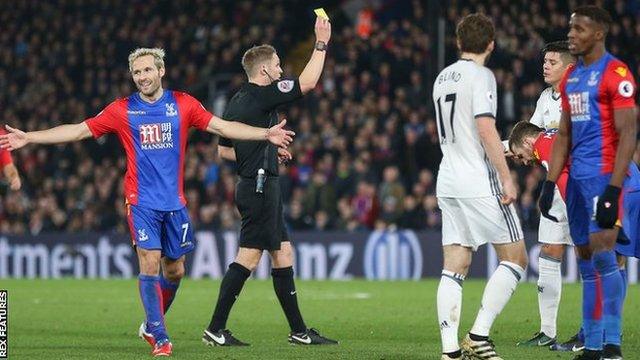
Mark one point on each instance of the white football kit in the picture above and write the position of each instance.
(547, 115)
(468, 188)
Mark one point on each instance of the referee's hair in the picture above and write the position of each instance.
(561, 47)
(522, 130)
(597, 14)
(256, 56)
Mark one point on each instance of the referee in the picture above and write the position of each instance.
(258, 191)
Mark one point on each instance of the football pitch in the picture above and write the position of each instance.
(98, 319)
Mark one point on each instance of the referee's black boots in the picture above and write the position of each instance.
(310, 337)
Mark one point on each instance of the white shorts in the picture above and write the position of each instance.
(555, 233)
(471, 222)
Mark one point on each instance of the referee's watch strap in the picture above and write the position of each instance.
(321, 46)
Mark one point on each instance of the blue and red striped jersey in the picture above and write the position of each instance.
(590, 94)
(154, 137)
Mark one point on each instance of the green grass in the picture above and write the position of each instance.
(98, 319)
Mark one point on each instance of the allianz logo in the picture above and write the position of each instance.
(391, 255)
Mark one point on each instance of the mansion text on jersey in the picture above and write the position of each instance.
(156, 136)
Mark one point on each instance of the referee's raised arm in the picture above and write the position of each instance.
(311, 73)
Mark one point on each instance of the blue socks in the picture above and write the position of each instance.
(151, 296)
(591, 305)
(625, 282)
(612, 291)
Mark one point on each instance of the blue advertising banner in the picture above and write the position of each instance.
(378, 255)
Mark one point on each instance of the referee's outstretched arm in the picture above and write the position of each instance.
(311, 73)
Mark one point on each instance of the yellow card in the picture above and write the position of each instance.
(321, 13)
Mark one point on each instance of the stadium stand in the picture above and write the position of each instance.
(366, 152)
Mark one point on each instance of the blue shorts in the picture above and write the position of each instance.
(630, 223)
(582, 198)
(170, 232)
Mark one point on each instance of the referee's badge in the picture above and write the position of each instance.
(285, 86)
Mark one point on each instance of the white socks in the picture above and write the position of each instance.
(497, 293)
(449, 303)
(549, 291)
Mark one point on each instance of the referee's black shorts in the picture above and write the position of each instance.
(262, 214)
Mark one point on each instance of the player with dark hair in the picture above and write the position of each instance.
(553, 236)
(475, 192)
(153, 126)
(598, 130)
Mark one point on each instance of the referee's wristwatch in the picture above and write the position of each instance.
(321, 46)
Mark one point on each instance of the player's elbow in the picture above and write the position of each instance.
(81, 131)
(216, 126)
(486, 129)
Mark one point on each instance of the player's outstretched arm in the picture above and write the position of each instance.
(311, 74)
(11, 173)
(495, 152)
(276, 134)
(16, 139)
(625, 122)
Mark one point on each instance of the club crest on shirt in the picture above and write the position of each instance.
(621, 70)
(285, 86)
(171, 109)
(593, 78)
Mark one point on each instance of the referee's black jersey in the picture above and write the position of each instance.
(256, 106)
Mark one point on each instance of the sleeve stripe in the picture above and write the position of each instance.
(487, 114)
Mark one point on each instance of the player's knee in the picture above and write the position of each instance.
(249, 264)
(458, 266)
(515, 253)
(149, 262)
(519, 258)
(282, 261)
(522, 260)
(249, 259)
(283, 257)
(174, 274)
(583, 252)
(553, 251)
(462, 269)
(603, 240)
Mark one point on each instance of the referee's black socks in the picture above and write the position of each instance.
(230, 288)
(286, 292)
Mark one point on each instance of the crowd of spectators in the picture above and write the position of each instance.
(366, 153)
